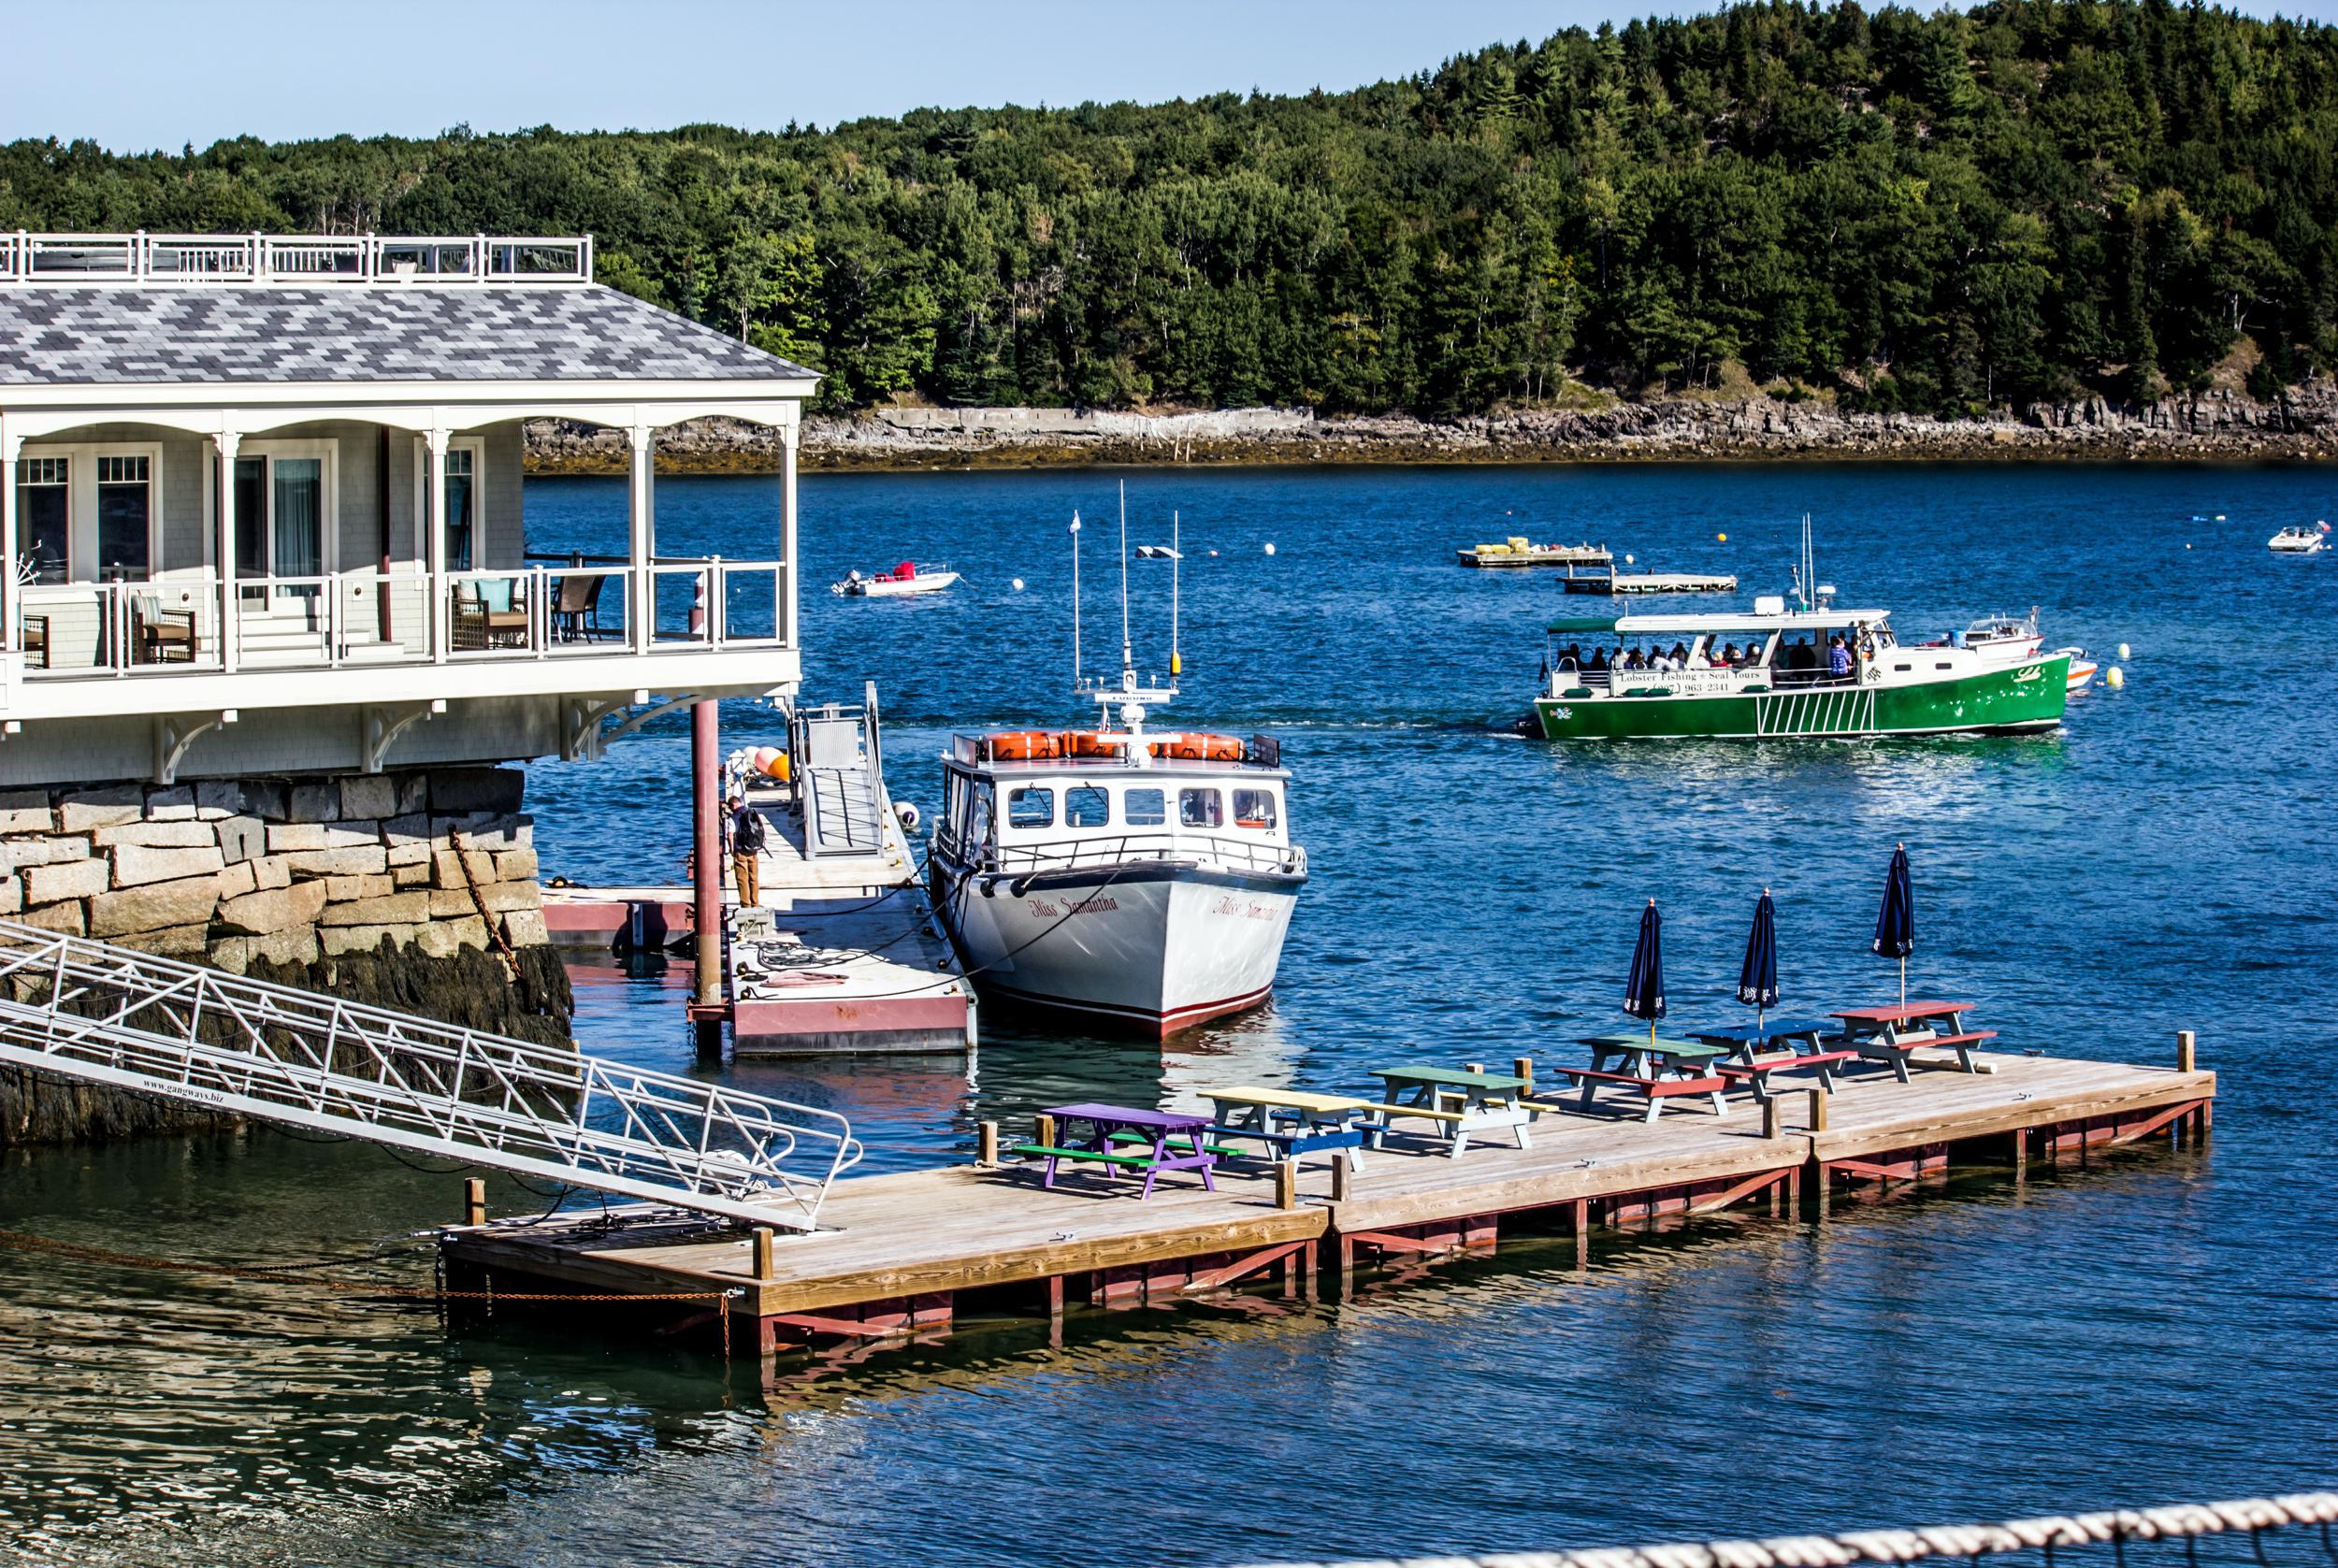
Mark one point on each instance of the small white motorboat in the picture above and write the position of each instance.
(2083, 668)
(2300, 541)
(907, 578)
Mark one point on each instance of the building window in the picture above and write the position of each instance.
(1086, 806)
(126, 516)
(44, 516)
(297, 523)
(1144, 808)
(462, 492)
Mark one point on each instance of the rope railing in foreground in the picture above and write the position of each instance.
(2183, 1521)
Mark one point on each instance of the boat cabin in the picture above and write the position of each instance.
(1708, 655)
(1026, 799)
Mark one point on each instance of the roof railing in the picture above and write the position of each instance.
(265, 260)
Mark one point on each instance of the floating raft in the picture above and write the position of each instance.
(1652, 583)
(1518, 553)
(900, 1254)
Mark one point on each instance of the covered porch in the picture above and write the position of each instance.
(383, 541)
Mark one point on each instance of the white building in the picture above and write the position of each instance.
(265, 505)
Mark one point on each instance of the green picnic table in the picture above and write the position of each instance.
(1487, 1101)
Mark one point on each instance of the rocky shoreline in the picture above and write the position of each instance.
(2222, 425)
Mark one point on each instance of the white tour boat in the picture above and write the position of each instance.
(907, 578)
(2300, 541)
(2083, 668)
(1137, 877)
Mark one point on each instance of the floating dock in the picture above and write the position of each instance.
(900, 1254)
(842, 953)
(1518, 553)
(1631, 583)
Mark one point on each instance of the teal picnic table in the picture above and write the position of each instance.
(1756, 1051)
(1480, 1101)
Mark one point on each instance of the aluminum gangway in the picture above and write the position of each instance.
(106, 1014)
(840, 778)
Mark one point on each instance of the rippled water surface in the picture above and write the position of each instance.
(2154, 1327)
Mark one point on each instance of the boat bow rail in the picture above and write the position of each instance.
(1122, 849)
(97, 1013)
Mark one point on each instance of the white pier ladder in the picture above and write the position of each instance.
(106, 1014)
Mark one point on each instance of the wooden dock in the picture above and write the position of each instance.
(900, 1254)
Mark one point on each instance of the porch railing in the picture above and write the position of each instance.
(172, 624)
(293, 259)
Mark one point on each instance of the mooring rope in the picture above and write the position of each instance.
(2185, 1522)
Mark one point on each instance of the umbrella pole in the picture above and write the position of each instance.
(1903, 980)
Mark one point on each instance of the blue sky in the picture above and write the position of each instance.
(160, 73)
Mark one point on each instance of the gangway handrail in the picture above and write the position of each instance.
(88, 1010)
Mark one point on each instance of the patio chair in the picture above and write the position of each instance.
(487, 617)
(576, 611)
(159, 636)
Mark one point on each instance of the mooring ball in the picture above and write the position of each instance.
(2115, 678)
(761, 758)
(1270, 549)
(1723, 537)
(2123, 652)
(1018, 584)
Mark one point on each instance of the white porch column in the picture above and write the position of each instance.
(434, 545)
(11, 595)
(641, 535)
(230, 599)
(788, 586)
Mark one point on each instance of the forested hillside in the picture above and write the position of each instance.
(1940, 212)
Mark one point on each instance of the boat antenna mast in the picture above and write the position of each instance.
(1129, 693)
(1177, 565)
(1128, 661)
(1075, 600)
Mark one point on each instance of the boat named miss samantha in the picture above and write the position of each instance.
(1812, 671)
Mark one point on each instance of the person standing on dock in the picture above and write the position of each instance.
(746, 852)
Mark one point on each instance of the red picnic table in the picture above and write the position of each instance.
(1893, 1034)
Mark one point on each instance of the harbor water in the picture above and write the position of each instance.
(2152, 1327)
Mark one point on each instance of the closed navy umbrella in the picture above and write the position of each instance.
(1757, 978)
(1644, 990)
(1896, 922)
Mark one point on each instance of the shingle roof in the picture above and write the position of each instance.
(63, 337)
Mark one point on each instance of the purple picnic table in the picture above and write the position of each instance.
(1159, 1124)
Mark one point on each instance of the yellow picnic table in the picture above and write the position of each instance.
(1317, 1121)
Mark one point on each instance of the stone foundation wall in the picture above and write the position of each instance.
(415, 890)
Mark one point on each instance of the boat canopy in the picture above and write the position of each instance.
(1725, 621)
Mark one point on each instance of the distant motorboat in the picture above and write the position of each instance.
(2083, 668)
(907, 578)
(2300, 541)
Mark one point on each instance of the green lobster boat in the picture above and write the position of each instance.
(1815, 672)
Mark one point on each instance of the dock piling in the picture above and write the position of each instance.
(2187, 1052)
(1770, 1118)
(1818, 1110)
(1523, 1067)
(474, 1200)
(985, 1142)
(764, 1269)
(1043, 1130)
(1286, 1184)
(1343, 1180)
